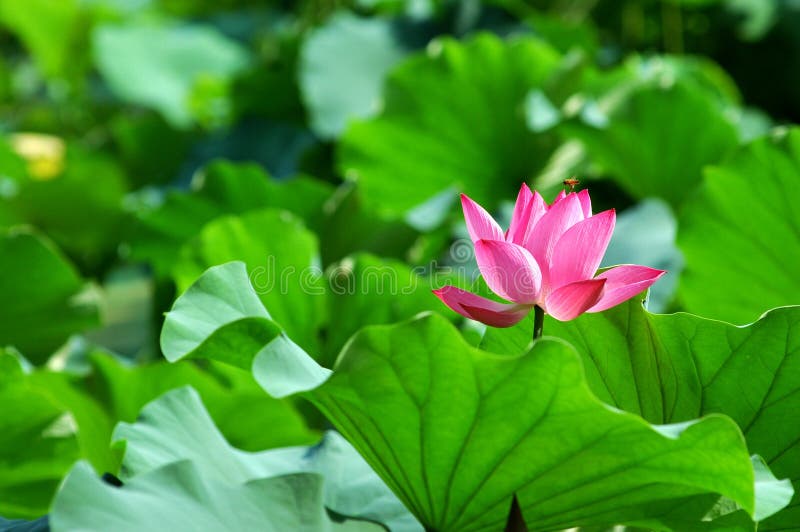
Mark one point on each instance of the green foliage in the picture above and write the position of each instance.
(82, 413)
(176, 427)
(354, 225)
(150, 149)
(322, 146)
(740, 233)
(61, 422)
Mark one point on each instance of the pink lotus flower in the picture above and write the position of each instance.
(548, 257)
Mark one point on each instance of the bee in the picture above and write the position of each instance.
(572, 182)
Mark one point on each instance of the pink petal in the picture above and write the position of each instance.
(481, 309)
(578, 252)
(480, 223)
(624, 282)
(572, 300)
(541, 240)
(522, 213)
(538, 209)
(583, 196)
(509, 270)
(561, 195)
(586, 202)
(526, 215)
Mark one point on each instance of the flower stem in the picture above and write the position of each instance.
(538, 322)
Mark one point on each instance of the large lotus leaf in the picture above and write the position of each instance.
(38, 443)
(526, 424)
(176, 427)
(45, 297)
(281, 257)
(654, 138)
(453, 118)
(740, 234)
(49, 421)
(342, 66)
(178, 497)
(672, 368)
(157, 66)
(221, 188)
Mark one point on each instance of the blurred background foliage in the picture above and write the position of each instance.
(144, 141)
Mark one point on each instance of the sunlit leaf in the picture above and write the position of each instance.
(673, 368)
(459, 472)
